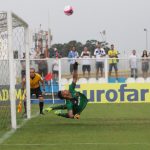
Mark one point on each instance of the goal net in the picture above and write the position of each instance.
(13, 45)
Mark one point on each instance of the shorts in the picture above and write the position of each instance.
(37, 92)
(55, 72)
(99, 65)
(113, 65)
(145, 66)
(86, 67)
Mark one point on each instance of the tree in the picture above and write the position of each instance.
(64, 49)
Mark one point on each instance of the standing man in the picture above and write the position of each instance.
(35, 80)
(133, 64)
(73, 54)
(55, 68)
(113, 55)
(23, 66)
(99, 53)
(56, 53)
(86, 62)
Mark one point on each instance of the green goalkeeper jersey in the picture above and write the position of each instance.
(78, 101)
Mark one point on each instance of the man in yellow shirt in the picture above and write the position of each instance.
(35, 80)
(113, 55)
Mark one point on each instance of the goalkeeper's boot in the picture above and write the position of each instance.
(48, 109)
(58, 112)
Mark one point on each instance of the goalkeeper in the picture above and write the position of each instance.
(75, 101)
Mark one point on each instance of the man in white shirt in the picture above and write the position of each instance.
(55, 68)
(133, 64)
(86, 62)
(99, 53)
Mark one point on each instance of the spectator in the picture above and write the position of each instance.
(42, 66)
(23, 66)
(133, 64)
(56, 53)
(55, 69)
(145, 63)
(99, 53)
(73, 54)
(86, 62)
(37, 53)
(113, 55)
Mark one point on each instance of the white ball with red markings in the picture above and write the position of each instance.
(68, 10)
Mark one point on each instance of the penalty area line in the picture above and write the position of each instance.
(61, 144)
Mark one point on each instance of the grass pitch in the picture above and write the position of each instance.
(101, 127)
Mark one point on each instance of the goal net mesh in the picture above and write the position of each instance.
(18, 47)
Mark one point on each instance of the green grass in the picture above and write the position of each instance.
(5, 118)
(101, 127)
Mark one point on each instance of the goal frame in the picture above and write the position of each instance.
(10, 17)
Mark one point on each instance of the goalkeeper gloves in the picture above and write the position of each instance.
(76, 116)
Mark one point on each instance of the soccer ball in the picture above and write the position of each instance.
(68, 10)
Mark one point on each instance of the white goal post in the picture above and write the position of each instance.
(14, 41)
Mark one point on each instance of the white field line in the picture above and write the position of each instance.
(61, 144)
(11, 132)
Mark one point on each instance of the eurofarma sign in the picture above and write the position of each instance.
(101, 93)
(116, 93)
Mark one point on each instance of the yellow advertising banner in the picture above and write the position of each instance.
(4, 94)
(116, 93)
(104, 93)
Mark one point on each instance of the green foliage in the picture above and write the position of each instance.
(63, 49)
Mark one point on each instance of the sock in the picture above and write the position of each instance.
(59, 107)
(25, 107)
(41, 104)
